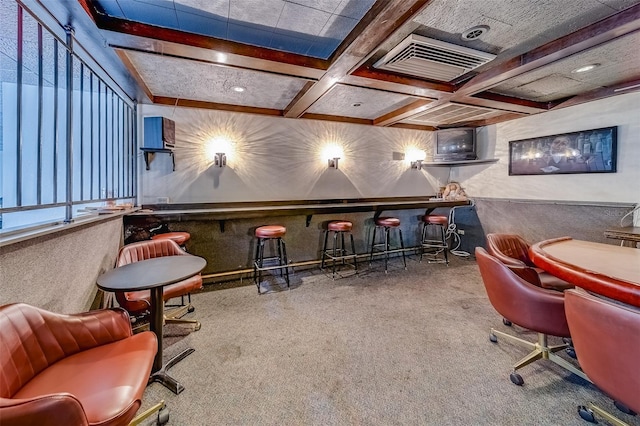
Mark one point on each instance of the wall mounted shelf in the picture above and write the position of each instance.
(150, 152)
(458, 163)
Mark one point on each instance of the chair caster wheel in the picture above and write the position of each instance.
(191, 309)
(163, 417)
(506, 322)
(586, 414)
(571, 352)
(516, 379)
(493, 338)
(620, 406)
(567, 341)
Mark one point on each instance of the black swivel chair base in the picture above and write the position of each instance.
(163, 377)
(541, 350)
(590, 412)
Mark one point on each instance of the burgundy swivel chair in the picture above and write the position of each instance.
(529, 306)
(513, 251)
(606, 334)
(138, 303)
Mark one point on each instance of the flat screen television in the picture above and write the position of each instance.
(455, 144)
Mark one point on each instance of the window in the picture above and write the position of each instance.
(67, 137)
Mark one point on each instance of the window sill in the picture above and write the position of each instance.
(18, 236)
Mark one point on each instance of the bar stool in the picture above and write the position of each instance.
(386, 223)
(339, 251)
(434, 237)
(179, 237)
(264, 234)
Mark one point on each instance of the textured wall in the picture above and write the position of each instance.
(58, 271)
(271, 158)
(540, 220)
(493, 181)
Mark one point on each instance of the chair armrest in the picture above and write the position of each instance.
(526, 273)
(47, 410)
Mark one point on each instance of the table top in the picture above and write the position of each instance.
(605, 269)
(622, 263)
(151, 273)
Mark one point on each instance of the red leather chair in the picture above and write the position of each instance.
(529, 306)
(606, 334)
(81, 369)
(513, 251)
(138, 303)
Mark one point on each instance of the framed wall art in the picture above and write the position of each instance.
(587, 151)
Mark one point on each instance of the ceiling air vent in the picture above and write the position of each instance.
(433, 59)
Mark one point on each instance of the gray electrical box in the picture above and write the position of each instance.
(159, 133)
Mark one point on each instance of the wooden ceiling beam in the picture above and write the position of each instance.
(502, 102)
(601, 93)
(190, 103)
(384, 17)
(134, 72)
(605, 30)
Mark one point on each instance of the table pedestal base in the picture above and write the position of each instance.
(163, 377)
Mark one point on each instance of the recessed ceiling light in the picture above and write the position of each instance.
(585, 68)
(356, 104)
(475, 33)
(238, 89)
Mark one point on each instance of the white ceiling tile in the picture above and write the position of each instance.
(256, 11)
(355, 9)
(338, 27)
(340, 101)
(185, 79)
(217, 7)
(323, 5)
(302, 19)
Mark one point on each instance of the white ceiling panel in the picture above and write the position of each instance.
(557, 81)
(341, 100)
(186, 79)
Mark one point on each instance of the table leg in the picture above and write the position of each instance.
(156, 323)
(159, 371)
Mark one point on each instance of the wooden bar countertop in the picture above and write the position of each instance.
(247, 210)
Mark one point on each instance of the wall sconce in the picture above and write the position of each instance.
(220, 159)
(333, 163)
(415, 157)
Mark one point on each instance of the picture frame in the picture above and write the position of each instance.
(586, 151)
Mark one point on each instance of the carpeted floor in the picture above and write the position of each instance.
(407, 347)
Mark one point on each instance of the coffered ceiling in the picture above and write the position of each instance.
(404, 63)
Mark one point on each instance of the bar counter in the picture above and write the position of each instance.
(248, 210)
(223, 233)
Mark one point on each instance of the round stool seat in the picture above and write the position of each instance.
(178, 237)
(270, 231)
(390, 222)
(340, 225)
(435, 219)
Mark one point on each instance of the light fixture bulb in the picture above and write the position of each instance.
(585, 68)
(238, 89)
